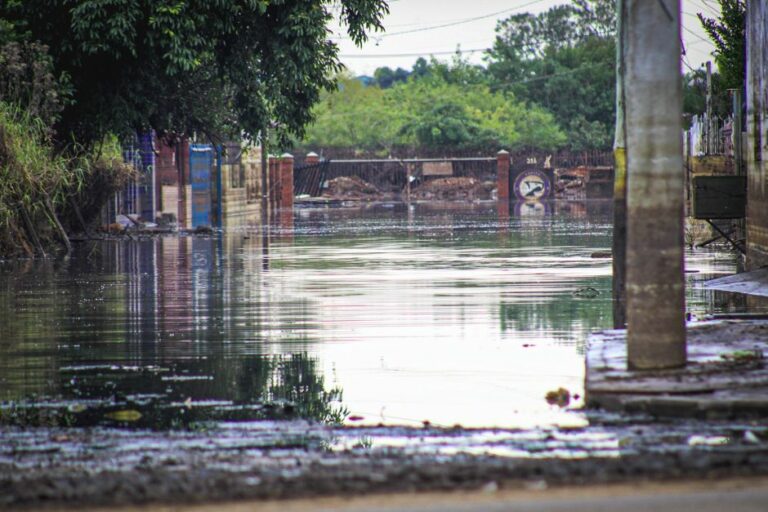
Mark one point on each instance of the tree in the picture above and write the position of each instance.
(356, 116)
(728, 34)
(209, 66)
(429, 112)
(27, 81)
(385, 77)
(562, 60)
(457, 71)
(695, 94)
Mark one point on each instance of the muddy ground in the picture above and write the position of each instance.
(267, 460)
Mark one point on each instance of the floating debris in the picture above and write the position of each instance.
(128, 415)
(586, 293)
(560, 397)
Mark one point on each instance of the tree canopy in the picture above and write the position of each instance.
(219, 67)
(447, 106)
(727, 33)
(563, 60)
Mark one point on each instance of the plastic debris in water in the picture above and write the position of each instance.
(560, 397)
(126, 415)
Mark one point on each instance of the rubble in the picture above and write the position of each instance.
(351, 187)
(454, 188)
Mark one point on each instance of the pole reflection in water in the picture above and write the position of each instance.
(445, 313)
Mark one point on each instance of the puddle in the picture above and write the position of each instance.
(386, 314)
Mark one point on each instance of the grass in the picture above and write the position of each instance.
(40, 188)
(33, 181)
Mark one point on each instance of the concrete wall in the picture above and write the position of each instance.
(240, 185)
(757, 134)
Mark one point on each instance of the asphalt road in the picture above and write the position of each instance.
(738, 495)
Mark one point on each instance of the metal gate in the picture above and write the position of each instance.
(200, 165)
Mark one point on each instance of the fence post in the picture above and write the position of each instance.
(286, 181)
(502, 175)
(312, 158)
(655, 281)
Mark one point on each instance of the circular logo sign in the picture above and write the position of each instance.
(531, 185)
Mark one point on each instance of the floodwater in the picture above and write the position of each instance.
(383, 314)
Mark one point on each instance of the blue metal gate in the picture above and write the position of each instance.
(200, 164)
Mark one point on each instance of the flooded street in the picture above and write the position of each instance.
(384, 314)
(348, 350)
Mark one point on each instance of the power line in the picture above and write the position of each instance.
(696, 35)
(455, 23)
(421, 54)
(705, 5)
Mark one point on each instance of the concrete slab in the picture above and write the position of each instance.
(726, 375)
(750, 283)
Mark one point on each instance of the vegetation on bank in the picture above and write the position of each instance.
(32, 181)
(43, 194)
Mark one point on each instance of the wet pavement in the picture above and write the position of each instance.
(384, 347)
(724, 377)
(268, 460)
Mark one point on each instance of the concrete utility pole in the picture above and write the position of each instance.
(738, 145)
(264, 180)
(709, 138)
(619, 242)
(655, 178)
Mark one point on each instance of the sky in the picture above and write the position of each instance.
(438, 27)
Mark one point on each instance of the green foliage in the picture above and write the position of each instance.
(38, 186)
(27, 80)
(443, 109)
(354, 116)
(32, 180)
(385, 76)
(209, 66)
(695, 94)
(727, 33)
(562, 60)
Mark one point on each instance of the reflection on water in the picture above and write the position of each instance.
(449, 314)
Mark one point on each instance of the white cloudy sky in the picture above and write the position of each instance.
(413, 30)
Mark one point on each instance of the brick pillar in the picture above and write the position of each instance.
(286, 181)
(502, 175)
(312, 158)
(182, 164)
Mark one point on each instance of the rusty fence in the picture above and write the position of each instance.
(390, 175)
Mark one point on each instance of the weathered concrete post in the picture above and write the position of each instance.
(619, 241)
(756, 124)
(653, 94)
(502, 176)
(264, 179)
(286, 181)
(709, 138)
(738, 126)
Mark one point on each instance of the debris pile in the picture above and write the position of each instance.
(571, 181)
(351, 187)
(455, 188)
